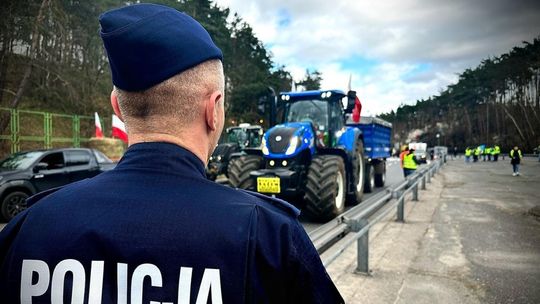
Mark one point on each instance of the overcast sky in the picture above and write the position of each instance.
(398, 51)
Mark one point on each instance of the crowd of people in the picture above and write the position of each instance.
(492, 154)
(486, 153)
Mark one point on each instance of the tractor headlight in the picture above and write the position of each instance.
(219, 158)
(264, 147)
(293, 144)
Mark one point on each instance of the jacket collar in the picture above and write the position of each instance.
(162, 156)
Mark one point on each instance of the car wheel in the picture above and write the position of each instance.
(13, 204)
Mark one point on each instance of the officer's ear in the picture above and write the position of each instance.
(212, 107)
(115, 106)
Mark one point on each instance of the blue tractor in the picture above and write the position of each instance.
(314, 158)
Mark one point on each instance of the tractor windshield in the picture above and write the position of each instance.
(245, 138)
(313, 111)
(254, 138)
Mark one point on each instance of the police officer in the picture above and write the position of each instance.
(154, 228)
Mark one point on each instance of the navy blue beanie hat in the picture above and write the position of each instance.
(148, 43)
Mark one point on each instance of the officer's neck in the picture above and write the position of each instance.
(197, 146)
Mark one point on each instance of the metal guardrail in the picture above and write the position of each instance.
(356, 222)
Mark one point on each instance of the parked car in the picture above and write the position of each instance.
(24, 174)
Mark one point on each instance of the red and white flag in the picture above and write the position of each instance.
(118, 129)
(99, 130)
(357, 110)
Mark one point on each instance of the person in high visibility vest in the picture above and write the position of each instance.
(409, 163)
(468, 153)
(476, 153)
(487, 151)
(496, 152)
(404, 151)
(515, 156)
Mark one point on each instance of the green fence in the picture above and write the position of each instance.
(40, 130)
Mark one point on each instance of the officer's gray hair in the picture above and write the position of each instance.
(173, 102)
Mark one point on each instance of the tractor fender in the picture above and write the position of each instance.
(349, 139)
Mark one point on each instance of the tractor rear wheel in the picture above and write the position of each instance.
(358, 176)
(380, 174)
(325, 188)
(239, 170)
(369, 185)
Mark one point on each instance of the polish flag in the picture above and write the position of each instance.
(118, 129)
(357, 110)
(99, 130)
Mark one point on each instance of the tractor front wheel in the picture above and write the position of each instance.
(325, 188)
(239, 170)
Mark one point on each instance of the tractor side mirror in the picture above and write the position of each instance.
(40, 167)
(351, 99)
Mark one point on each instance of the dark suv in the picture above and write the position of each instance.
(24, 174)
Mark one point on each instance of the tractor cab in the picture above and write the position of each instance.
(322, 110)
(245, 135)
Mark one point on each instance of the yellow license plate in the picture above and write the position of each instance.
(268, 185)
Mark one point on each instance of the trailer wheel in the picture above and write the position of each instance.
(239, 169)
(369, 185)
(325, 188)
(358, 176)
(380, 174)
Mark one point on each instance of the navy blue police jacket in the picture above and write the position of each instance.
(155, 230)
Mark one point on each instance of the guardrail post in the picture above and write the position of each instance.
(415, 193)
(401, 207)
(428, 175)
(362, 263)
(423, 183)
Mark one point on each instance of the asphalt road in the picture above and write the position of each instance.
(490, 210)
(471, 238)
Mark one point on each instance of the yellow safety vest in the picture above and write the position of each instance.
(512, 153)
(468, 152)
(408, 162)
(497, 150)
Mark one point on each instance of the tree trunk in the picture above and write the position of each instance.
(4, 120)
(515, 123)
